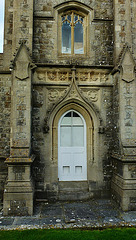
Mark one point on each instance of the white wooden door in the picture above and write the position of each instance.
(72, 163)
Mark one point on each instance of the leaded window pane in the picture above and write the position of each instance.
(78, 39)
(66, 37)
(72, 33)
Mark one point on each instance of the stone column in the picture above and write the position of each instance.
(18, 194)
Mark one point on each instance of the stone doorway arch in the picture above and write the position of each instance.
(89, 128)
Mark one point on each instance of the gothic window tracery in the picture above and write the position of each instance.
(72, 33)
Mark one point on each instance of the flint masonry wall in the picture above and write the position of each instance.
(45, 51)
(101, 33)
(5, 107)
(107, 38)
(46, 92)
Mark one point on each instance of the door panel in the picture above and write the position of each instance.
(78, 136)
(65, 136)
(72, 163)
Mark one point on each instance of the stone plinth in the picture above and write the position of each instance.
(18, 193)
(124, 182)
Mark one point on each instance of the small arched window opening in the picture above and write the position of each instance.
(73, 33)
(74, 19)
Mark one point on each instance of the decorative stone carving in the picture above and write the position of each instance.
(128, 73)
(93, 76)
(73, 92)
(104, 77)
(128, 65)
(41, 76)
(83, 76)
(63, 76)
(54, 95)
(52, 76)
(91, 95)
(21, 70)
(88, 76)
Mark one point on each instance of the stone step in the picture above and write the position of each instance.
(73, 191)
(73, 186)
(73, 196)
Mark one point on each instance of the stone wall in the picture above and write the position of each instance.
(8, 30)
(5, 95)
(5, 106)
(125, 25)
(50, 85)
(111, 25)
(100, 29)
(133, 19)
(1, 60)
(23, 15)
(115, 140)
(103, 9)
(107, 165)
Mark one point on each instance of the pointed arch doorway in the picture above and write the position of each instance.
(72, 156)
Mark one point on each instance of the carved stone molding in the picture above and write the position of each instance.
(55, 94)
(63, 76)
(66, 76)
(73, 92)
(91, 94)
(54, 76)
(93, 76)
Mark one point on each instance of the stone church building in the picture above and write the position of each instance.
(68, 103)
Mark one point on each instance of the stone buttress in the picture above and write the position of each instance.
(124, 153)
(18, 193)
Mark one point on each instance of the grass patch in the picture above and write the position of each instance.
(108, 234)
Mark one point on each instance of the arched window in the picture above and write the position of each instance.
(72, 33)
(73, 19)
